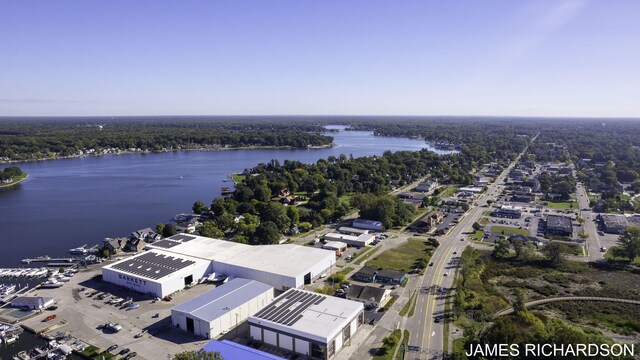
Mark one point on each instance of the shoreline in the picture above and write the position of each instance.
(15, 182)
(127, 152)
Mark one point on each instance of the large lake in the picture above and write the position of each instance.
(70, 202)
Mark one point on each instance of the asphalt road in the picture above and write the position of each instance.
(426, 334)
(593, 241)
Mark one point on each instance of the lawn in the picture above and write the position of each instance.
(238, 178)
(508, 230)
(477, 236)
(484, 221)
(562, 205)
(345, 199)
(403, 257)
(448, 192)
(614, 255)
(364, 255)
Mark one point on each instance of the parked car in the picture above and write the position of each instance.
(112, 347)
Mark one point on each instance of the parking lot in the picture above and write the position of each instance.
(84, 317)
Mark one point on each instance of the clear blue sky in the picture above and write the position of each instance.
(488, 57)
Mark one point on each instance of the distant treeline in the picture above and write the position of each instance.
(46, 138)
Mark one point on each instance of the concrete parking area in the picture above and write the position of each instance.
(82, 317)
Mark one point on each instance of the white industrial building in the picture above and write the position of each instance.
(222, 308)
(352, 231)
(307, 323)
(355, 241)
(32, 302)
(171, 264)
(367, 224)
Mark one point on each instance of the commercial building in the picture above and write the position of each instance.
(352, 231)
(559, 225)
(337, 246)
(222, 308)
(508, 211)
(231, 350)
(170, 264)
(350, 240)
(156, 272)
(307, 323)
(372, 297)
(367, 224)
(371, 274)
(426, 186)
(471, 189)
(614, 224)
(427, 221)
(32, 302)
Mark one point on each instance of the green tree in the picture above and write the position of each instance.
(225, 221)
(554, 252)
(199, 207)
(209, 229)
(292, 214)
(501, 249)
(476, 226)
(304, 226)
(169, 230)
(519, 304)
(160, 228)
(268, 233)
(629, 242)
(247, 225)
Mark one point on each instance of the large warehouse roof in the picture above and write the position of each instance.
(215, 303)
(153, 265)
(317, 316)
(287, 259)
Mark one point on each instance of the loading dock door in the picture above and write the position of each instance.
(190, 325)
(188, 280)
(307, 279)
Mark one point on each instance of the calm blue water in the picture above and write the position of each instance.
(69, 202)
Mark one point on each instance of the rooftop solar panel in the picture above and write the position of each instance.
(182, 237)
(289, 310)
(166, 244)
(152, 265)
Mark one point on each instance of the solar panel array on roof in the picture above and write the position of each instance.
(153, 265)
(289, 309)
(182, 237)
(166, 244)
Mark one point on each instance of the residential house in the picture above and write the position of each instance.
(373, 297)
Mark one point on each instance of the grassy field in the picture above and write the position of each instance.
(402, 258)
(562, 205)
(509, 230)
(409, 308)
(477, 236)
(238, 178)
(483, 221)
(363, 255)
(448, 192)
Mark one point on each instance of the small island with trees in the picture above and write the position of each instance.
(11, 176)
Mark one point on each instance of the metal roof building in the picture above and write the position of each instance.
(307, 323)
(269, 264)
(222, 308)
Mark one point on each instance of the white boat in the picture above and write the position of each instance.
(8, 289)
(52, 283)
(134, 306)
(79, 250)
(61, 277)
